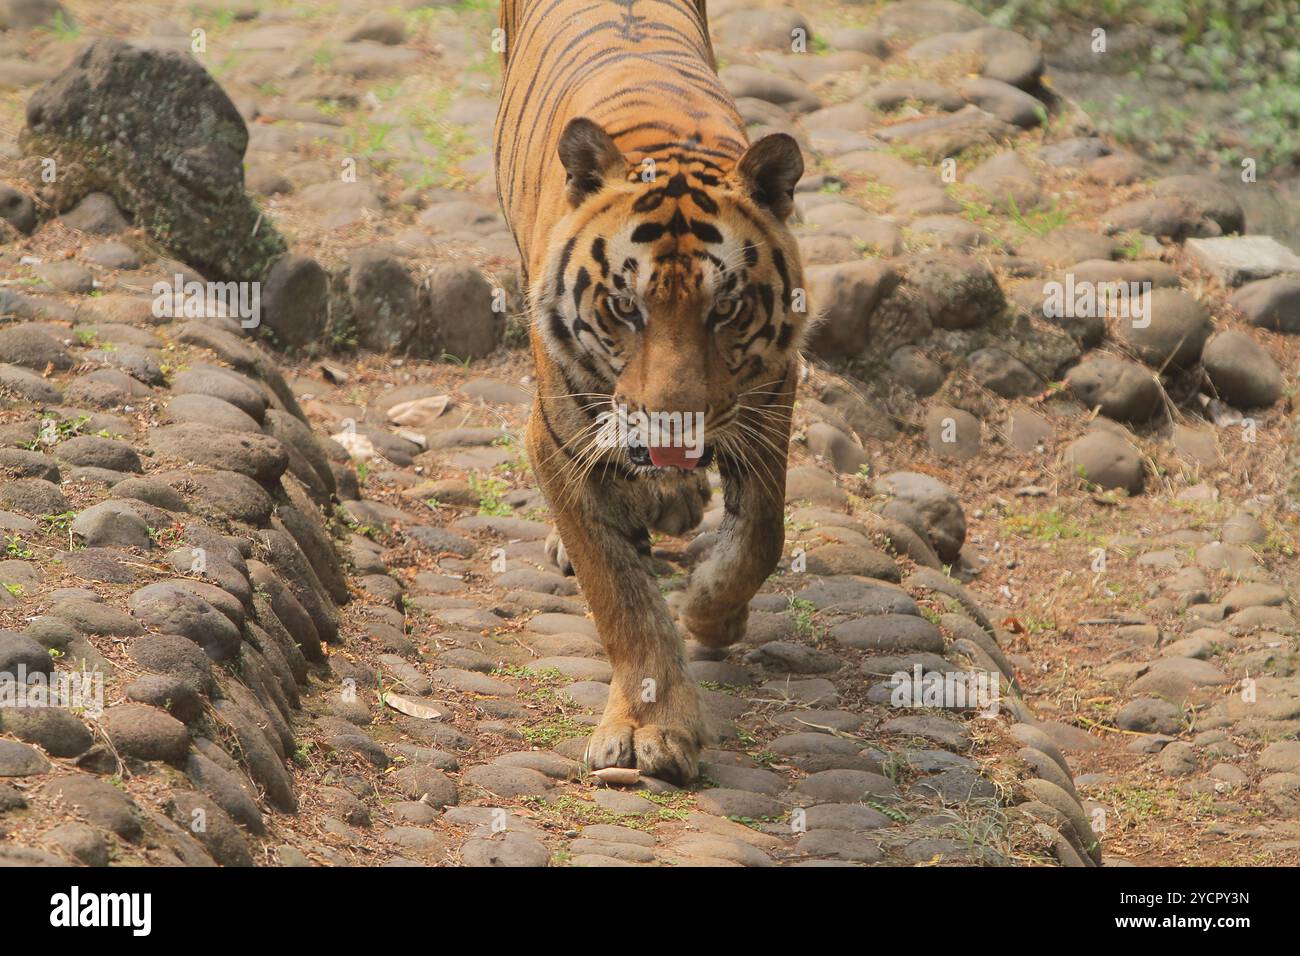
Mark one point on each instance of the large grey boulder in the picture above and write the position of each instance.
(172, 158)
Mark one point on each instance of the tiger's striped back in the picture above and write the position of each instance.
(644, 70)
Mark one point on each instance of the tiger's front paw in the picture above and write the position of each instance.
(662, 740)
(681, 506)
(611, 744)
(667, 753)
(662, 751)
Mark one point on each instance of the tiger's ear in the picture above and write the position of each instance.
(589, 157)
(769, 171)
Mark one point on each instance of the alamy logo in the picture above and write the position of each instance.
(954, 690)
(1088, 300)
(76, 909)
(620, 429)
(81, 691)
(207, 300)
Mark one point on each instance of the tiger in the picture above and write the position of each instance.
(662, 284)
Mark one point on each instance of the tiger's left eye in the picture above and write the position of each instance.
(724, 310)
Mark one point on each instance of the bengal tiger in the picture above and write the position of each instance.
(662, 284)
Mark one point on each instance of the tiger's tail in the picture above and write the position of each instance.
(510, 14)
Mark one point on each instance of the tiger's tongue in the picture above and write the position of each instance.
(672, 456)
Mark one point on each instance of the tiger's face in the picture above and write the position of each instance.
(674, 288)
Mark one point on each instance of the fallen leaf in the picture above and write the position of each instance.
(411, 707)
(420, 411)
(414, 437)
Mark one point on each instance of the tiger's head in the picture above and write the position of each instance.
(674, 287)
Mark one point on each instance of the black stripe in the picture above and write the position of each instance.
(565, 255)
(705, 231)
(647, 232)
(580, 285)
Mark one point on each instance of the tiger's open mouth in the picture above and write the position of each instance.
(670, 456)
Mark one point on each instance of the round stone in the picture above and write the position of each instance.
(889, 632)
(1122, 390)
(171, 608)
(1241, 370)
(1150, 715)
(1167, 328)
(146, 733)
(54, 729)
(1105, 459)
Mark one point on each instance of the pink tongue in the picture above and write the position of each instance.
(672, 456)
